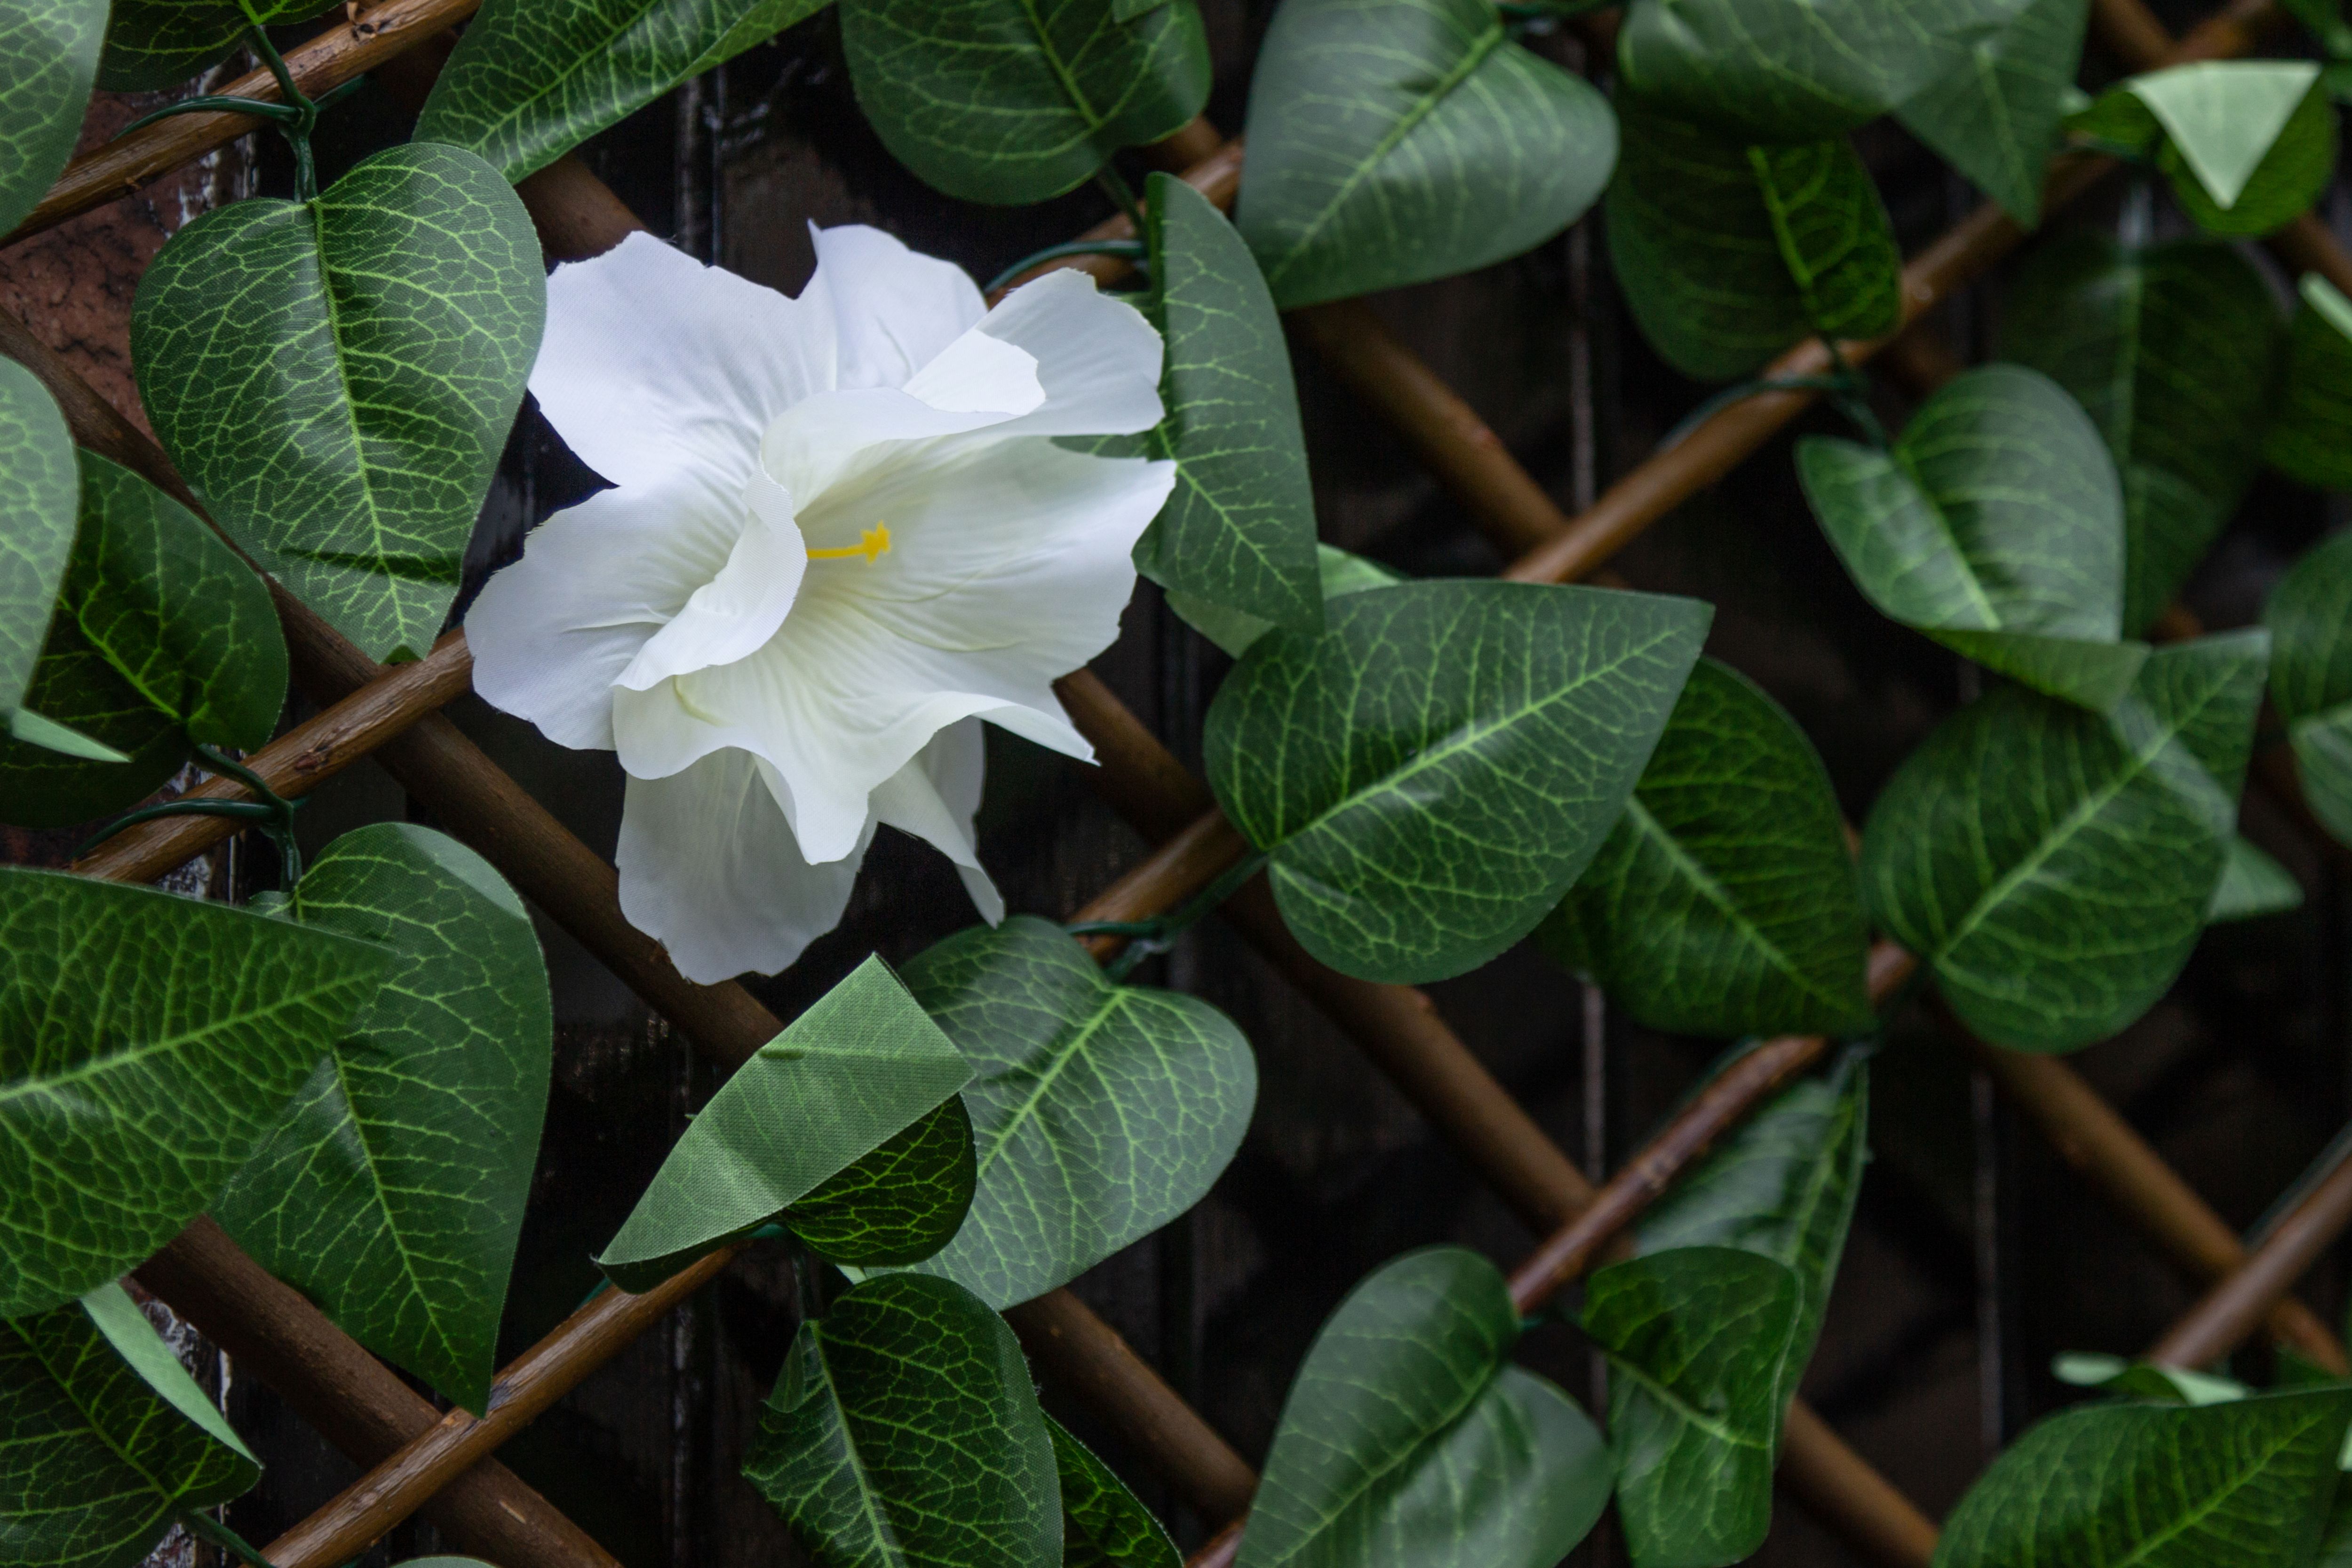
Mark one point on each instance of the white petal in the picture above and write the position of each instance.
(1098, 357)
(935, 797)
(653, 361)
(733, 614)
(896, 310)
(710, 870)
(839, 436)
(552, 632)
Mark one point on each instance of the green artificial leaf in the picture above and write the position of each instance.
(531, 79)
(1834, 234)
(155, 44)
(1698, 1341)
(2310, 436)
(2336, 1538)
(904, 1432)
(336, 377)
(2052, 867)
(859, 1067)
(1233, 630)
(2252, 884)
(1430, 774)
(104, 1437)
(147, 1046)
(392, 1193)
(1103, 1525)
(898, 1203)
(1725, 900)
(161, 637)
(2224, 121)
(1009, 101)
(1794, 70)
(1995, 526)
(2310, 621)
(2242, 1484)
(2172, 350)
(51, 49)
(1408, 1436)
(39, 495)
(1100, 1112)
(2145, 1380)
(1997, 114)
(1392, 141)
(1239, 530)
(1783, 1187)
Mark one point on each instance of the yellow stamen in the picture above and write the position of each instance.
(874, 541)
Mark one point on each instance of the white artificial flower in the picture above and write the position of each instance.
(840, 534)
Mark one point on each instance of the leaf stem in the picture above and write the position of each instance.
(1148, 939)
(206, 1527)
(1132, 249)
(1114, 184)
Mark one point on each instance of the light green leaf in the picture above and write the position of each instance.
(904, 1432)
(392, 1193)
(1793, 70)
(337, 379)
(147, 1046)
(51, 49)
(1997, 112)
(1698, 1340)
(2172, 349)
(1233, 630)
(1995, 526)
(533, 79)
(39, 495)
(857, 1069)
(1392, 141)
(2145, 1380)
(1431, 773)
(2224, 116)
(156, 44)
(1783, 1188)
(1103, 1525)
(898, 1203)
(1100, 1111)
(2310, 436)
(104, 1437)
(1408, 1438)
(162, 636)
(2252, 884)
(1239, 532)
(2244, 1484)
(30, 727)
(2052, 867)
(1009, 101)
(2310, 621)
(1725, 900)
(1835, 236)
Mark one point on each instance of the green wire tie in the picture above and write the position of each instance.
(272, 813)
(1148, 939)
(295, 117)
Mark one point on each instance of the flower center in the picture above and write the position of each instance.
(875, 541)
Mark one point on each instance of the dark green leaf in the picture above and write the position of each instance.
(533, 79)
(1996, 113)
(147, 1046)
(1233, 630)
(2310, 620)
(901, 1202)
(2052, 866)
(1431, 773)
(1834, 236)
(860, 1066)
(1239, 530)
(2310, 438)
(39, 487)
(104, 1437)
(1102, 1112)
(1793, 70)
(1783, 1188)
(904, 1432)
(1006, 101)
(154, 44)
(162, 636)
(1392, 141)
(2336, 1540)
(2244, 1484)
(1408, 1437)
(51, 50)
(336, 380)
(2172, 349)
(1697, 1340)
(2252, 884)
(1995, 526)
(1725, 900)
(392, 1192)
(2249, 144)
(1103, 1525)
